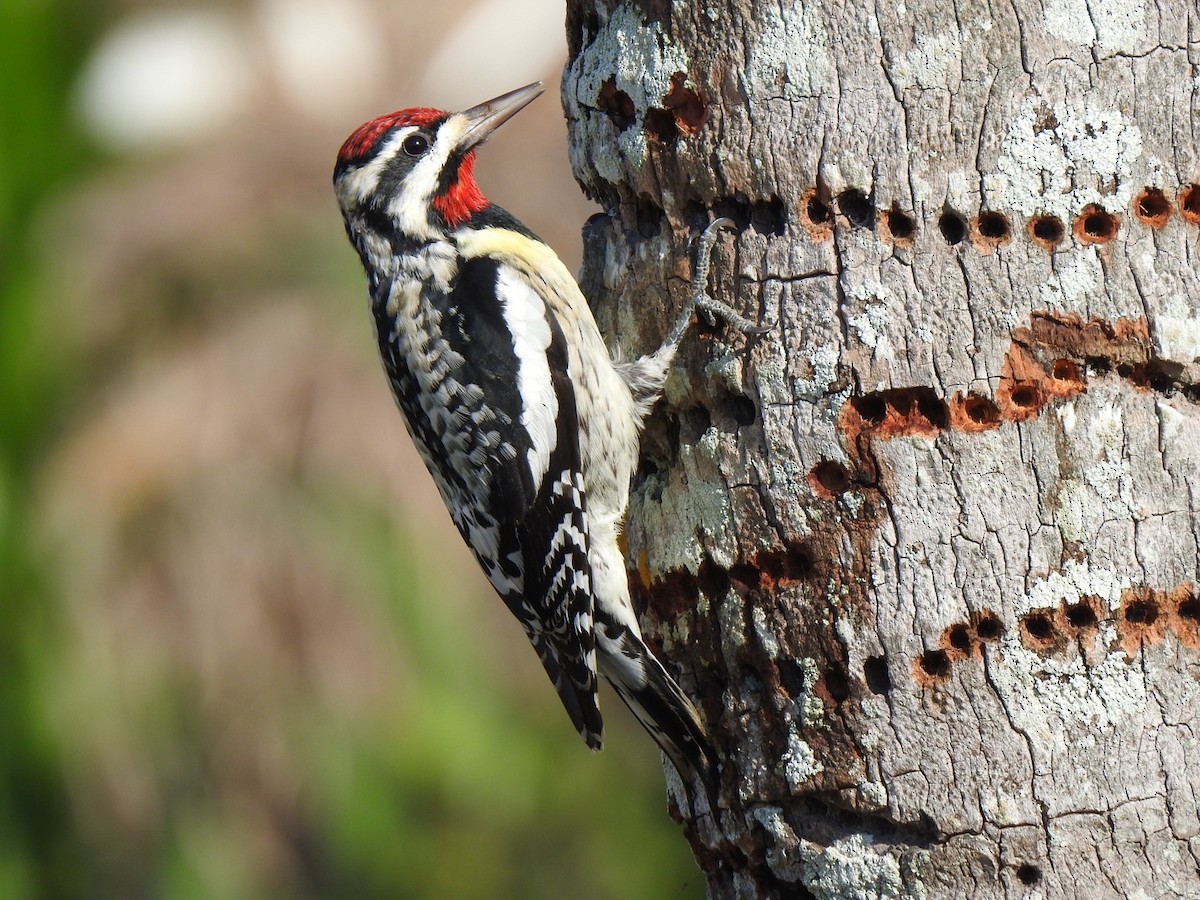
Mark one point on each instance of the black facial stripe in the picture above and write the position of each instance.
(449, 174)
(430, 131)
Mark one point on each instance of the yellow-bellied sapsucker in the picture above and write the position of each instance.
(527, 424)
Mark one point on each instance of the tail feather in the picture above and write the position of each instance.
(662, 708)
(670, 718)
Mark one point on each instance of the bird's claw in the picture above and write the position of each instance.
(730, 315)
(700, 299)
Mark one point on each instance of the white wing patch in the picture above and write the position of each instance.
(525, 316)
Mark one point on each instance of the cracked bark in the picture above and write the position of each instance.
(925, 553)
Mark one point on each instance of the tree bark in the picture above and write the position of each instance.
(925, 553)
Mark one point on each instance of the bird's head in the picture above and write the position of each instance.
(416, 166)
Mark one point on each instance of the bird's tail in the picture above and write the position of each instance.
(661, 706)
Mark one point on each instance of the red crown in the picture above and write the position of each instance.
(364, 138)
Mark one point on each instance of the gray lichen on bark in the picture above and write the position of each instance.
(926, 552)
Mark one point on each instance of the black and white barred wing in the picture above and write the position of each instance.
(485, 390)
(556, 606)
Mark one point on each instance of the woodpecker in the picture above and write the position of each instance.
(527, 423)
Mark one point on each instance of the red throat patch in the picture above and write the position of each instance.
(463, 198)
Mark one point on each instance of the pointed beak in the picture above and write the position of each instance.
(485, 118)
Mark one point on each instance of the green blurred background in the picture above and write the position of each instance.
(243, 653)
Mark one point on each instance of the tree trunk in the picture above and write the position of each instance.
(925, 553)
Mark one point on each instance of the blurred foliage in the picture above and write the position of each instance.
(39, 151)
(247, 676)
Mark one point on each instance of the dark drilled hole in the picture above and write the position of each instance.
(1190, 610)
(817, 211)
(856, 206)
(1160, 382)
(989, 628)
(1095, 226)
(745, 574)
(793, 563)
(1098, 365)
(901, 226)
(837, 684)
(934, 409)
(649, 216)
(1064, 370)
(648, 468)
(1025, 395)
(981, 410)
(674, 431)
(870, 407)
(935, 663)
(1130, 372)
(617, 103)
(712, 579)
(1164, 375)
(1047, 231)
(952, 226)
(744, 410)
(689, 109)
(791, 677)
(959, 637)
(1081, 615)
(992, 225)
(900, 399)
(660, 126)
(769, 216)
(832, 476)
(1189, 204)
(1152, 208)
(1038, 626)
(1028, 874)
(738, 207)
(799, 562)
(875, 673)
(1141, 612)
(698, 420)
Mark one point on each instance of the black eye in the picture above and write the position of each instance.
(415, 144)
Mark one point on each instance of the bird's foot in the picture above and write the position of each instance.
(698, 296)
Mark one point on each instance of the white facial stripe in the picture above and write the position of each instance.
(410, 207)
